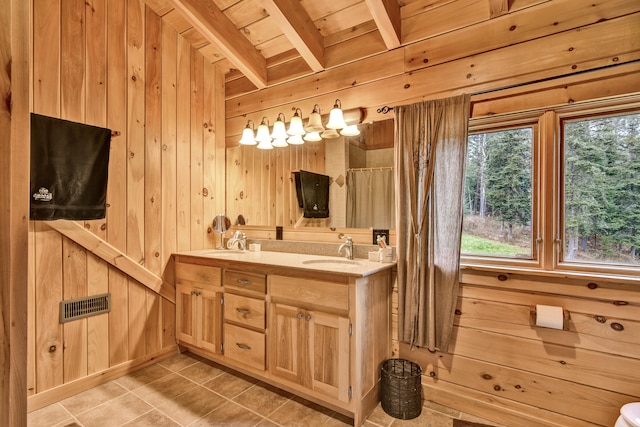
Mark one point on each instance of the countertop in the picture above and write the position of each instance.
(321, 263)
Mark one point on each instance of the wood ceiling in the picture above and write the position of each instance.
(259, 43)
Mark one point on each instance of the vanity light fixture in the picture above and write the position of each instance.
(336, 118)
(350, 130)
(263, 131)
(295, 126)
(330, 134)
(279, 129)
(279, 142)
(315, 121)
(247, 135)
(312, 137)
(340, 123)
(295, 140)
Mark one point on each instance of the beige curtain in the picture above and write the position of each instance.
(371, 198)
(430, 155)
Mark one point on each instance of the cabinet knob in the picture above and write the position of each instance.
(243, 311)
(243, 346)
(196, 293)
(308, 317)
(299, 316)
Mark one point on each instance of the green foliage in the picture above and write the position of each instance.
(602, 188)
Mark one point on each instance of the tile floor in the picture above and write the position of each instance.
(186, 390)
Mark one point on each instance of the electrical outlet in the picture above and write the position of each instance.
(383, 232)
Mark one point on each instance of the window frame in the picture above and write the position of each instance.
(569, 114)
(506, 122)
(548, 189)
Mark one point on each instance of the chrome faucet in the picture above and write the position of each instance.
(347, 247)
(239, 240)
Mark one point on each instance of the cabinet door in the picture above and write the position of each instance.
(209, 322)
(286, 342)
(328, 351)
(186, 311)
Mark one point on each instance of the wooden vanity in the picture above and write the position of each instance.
(316, 326)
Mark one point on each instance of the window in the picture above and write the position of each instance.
(498, 194)
(601, 187)
(555, 189)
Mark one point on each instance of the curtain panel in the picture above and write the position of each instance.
(430, 156)
(371, 198)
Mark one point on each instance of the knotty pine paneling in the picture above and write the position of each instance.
(117, 64)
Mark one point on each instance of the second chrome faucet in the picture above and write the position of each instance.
(346, 247)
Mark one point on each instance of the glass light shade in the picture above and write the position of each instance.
(350, 130)
(263, 133)
(330, 134)
(315, 121)
(313, 137)
(336, 119)
(265, 145)
(279, 142)
(295, 140)
(279, 130)
(247, 137)
(295, 126)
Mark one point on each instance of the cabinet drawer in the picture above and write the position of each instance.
(201, 274)
(310, 292)
(244, 310)
(246, 281)
(245, 346)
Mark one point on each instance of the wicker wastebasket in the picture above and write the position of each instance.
(401, 392)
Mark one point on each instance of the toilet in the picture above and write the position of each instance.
(629, 415)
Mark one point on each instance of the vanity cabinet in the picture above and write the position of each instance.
(311, 340)
(317, 333)
(245, 318)
(199, 306)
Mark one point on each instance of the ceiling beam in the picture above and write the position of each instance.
(498, 8)
(296, 24)
(386, 14)
(218, 29)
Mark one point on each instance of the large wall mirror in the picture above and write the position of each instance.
(261, 185)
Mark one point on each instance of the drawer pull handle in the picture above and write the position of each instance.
(243, 346)
(243, 311)
(244, 281)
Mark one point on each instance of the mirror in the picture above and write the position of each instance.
(261, 187)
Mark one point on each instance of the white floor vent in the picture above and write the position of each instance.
(78, 308)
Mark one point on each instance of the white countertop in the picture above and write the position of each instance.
(328, 264)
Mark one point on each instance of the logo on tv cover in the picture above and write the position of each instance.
(43, 195)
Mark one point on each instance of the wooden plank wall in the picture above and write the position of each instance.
(501, 367)
(117, 64)
(14, 167)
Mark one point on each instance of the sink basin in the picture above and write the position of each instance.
(331, 261)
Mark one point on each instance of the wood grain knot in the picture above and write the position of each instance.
(617, 326)
(52, 348)
(497, 387)
(592, 285)
(486, 377)
(600, 319)
(620, 303)
(458, 312)
(502, 277)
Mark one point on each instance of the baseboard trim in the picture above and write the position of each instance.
(63, 391)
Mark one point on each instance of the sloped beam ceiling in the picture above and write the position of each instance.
(296, 24)
(214, 25)
(498, 8)
(386, 14)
